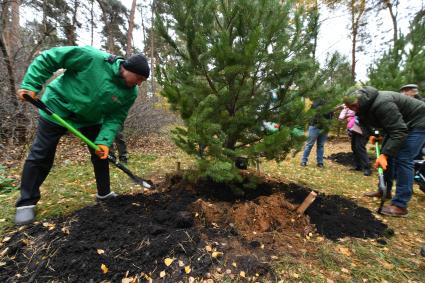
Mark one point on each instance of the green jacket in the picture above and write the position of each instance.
(393, 112)
(89, 92)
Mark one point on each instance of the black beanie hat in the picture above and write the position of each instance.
(138, 64)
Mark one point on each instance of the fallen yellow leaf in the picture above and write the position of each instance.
(6, 239)
(343, 250)
(181, 263)
(129, 280)
(216, 254)
(168, 261)
(208, 248)
(345, 270)
(104, 268)
(242, 274)
(100, 251)
(187, 269)
(162, 274)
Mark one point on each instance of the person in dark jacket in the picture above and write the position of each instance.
(411, 90)
(121, 147)
(94, 94)
(402, 119)
(317, 133)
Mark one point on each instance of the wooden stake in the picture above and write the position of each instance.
(307, 202)
(178, 167)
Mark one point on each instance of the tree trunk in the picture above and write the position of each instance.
(393, 19)
(91, 22)
(10, 73)
(130, 28)
(356, 15)
(152, 50)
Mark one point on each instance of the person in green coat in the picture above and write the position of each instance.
(402, 119)
(93, 94)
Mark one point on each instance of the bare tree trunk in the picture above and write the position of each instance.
(15, 29)
(143, 26)
(152, 50)
(70, 28)
(10, 73)
(92, 22)
(130, 28)
(357, 10)
(393, 19)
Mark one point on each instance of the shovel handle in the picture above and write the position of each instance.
(40, 105)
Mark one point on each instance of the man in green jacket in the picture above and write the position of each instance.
(94, 94)
(402, 119)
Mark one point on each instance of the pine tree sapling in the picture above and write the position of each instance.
(235, 65)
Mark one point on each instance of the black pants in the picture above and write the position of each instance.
(358, 146)
(42, 154)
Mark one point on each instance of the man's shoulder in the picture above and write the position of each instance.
(94, 51)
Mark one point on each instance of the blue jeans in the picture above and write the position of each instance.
(315, 134)
(401, 168)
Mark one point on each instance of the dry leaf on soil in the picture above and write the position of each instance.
(104, 268)
(168, 261)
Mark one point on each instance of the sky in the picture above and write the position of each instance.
(334, 33)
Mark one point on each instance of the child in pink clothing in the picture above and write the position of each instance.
(358, 140)
(350, 116)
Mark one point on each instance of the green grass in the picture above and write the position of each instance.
(71, 186)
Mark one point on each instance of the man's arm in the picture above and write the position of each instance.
(112, 124)
(49, 61)
(394, 126)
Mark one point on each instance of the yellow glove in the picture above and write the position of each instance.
(103, 151)
(382, 162)
(20, 93)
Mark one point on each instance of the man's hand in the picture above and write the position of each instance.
(103, 151)
(20, 93)
(373, 139)
(382, 162)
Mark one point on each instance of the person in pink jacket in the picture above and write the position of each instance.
(358, 140)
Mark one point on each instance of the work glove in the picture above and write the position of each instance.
(20, 93)
(103, 151)
(382, 162)
(373, 139)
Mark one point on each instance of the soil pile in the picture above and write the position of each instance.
(343, 158)
(183, 230)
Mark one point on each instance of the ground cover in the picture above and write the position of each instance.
(186, 230)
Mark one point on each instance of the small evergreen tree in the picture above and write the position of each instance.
(235, 65)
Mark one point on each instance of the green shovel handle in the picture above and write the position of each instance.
(39, 104)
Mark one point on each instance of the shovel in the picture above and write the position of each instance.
(381, 184)
(40, 105)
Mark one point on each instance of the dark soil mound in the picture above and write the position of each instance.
(337, 217)
(343, 158)
(197, 229)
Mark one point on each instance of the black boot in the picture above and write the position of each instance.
(367, 172)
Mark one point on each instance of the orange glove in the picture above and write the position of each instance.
(382, 162)
(373, 139)
(103, 151)
(20, 93)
